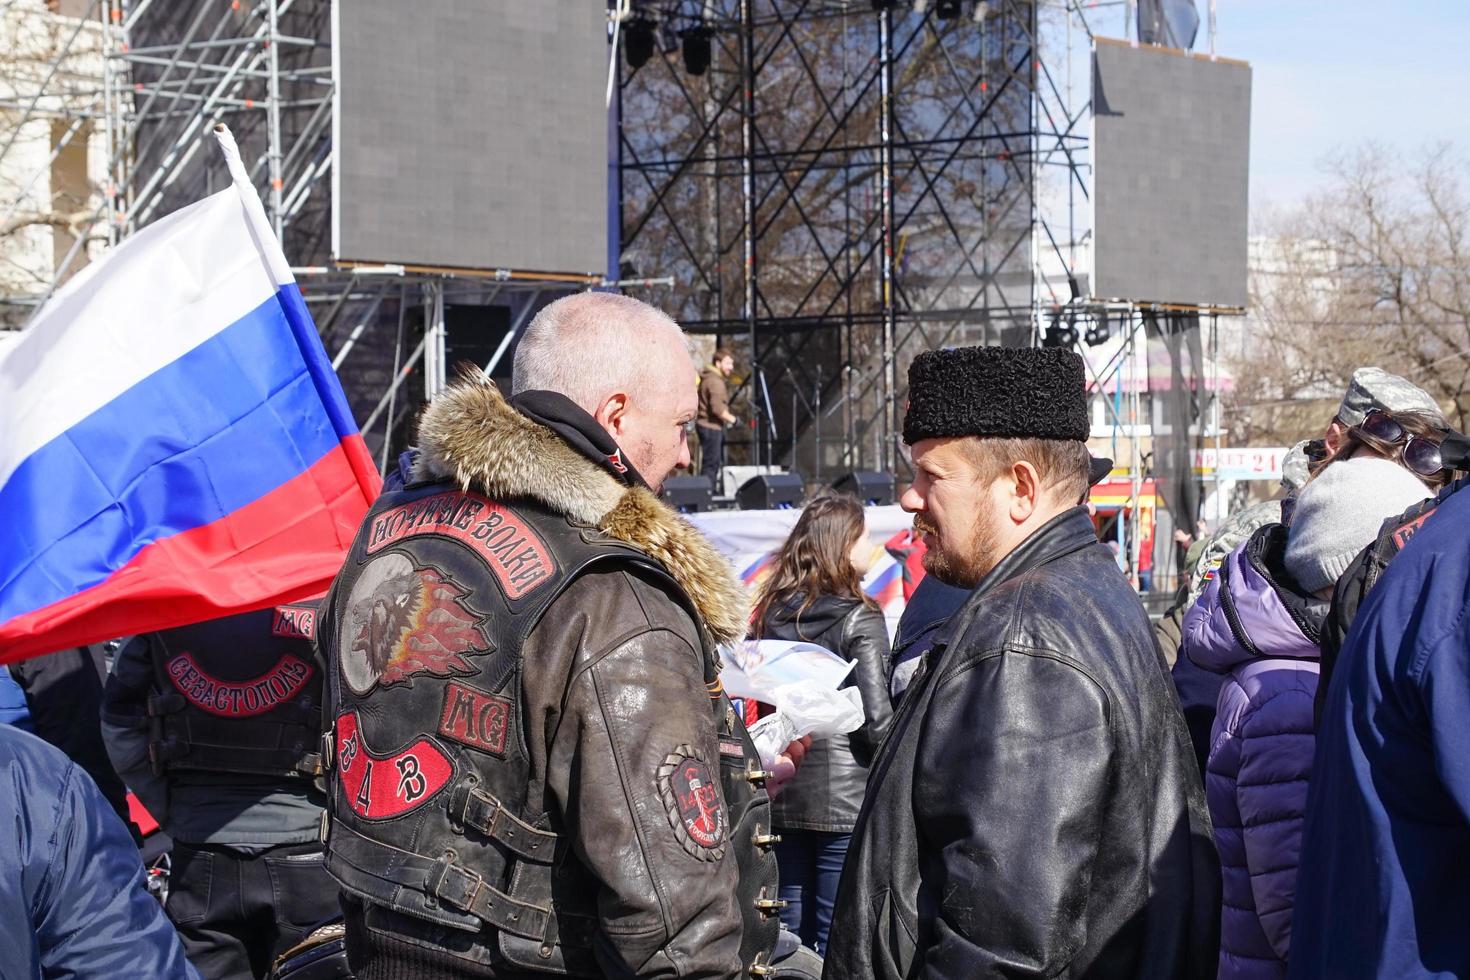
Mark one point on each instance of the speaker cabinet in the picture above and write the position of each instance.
(772, 491)
(688, 494)
(872, 488)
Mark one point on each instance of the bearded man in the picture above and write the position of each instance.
(1035, 809)
(534, 769)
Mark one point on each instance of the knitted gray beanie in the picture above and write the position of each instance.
(1339, 513)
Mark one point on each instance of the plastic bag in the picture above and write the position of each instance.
(806, 708)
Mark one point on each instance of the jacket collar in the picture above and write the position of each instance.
(470, 435)
(1064, 534)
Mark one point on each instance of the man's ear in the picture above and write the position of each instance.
(1026, 491)
(612, 413)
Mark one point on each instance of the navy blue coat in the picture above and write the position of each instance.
(1384, 879)
(72, 899)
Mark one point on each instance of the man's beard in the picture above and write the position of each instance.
(962, 570)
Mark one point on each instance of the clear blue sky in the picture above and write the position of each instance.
(1333, 73)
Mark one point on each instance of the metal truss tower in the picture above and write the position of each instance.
(844, 188)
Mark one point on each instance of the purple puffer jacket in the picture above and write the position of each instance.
(1250, 625)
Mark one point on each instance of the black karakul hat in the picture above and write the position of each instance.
(1011, 392)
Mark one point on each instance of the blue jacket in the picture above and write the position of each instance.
(72, 899)
(1383, 884)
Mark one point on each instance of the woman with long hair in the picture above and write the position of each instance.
(1260, 623)
(815, 595)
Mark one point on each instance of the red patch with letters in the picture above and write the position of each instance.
(1402, 534)
(514, 553)
(379, 787)
(239, 699)
(475, 718)
(296, 621)
(691, 796)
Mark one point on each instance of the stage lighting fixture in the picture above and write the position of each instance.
(1059, 334)
(947, 9)
(638, 41)
(983, 11)
(921, 6)
(696, 50)
(1099, 332)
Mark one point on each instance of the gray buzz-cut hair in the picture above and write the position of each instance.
(588, 345)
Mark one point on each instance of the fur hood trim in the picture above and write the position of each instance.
(471, 435)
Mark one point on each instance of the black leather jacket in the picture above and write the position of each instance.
(828, 789)
(1035, 810)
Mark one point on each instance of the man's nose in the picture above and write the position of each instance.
(911, 501)
(684, 456)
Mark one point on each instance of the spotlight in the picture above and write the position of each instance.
(1099, 332)
(1059, 335)
(983, 11)
(947, 9)
(638, 42)
(696, 50)
(921, 6)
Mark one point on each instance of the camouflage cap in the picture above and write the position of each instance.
(1373, 387)
(1235, 529)
(1297, 465)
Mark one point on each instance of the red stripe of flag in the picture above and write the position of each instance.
(283, 547)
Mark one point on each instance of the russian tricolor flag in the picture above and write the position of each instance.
(174, 444)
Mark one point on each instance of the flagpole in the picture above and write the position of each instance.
(270, 246)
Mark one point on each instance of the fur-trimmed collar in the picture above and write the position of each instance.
(473, 437)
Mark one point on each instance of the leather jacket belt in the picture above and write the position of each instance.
(482, 812)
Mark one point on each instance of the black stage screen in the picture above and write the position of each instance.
(471, 134)
(1171, 152)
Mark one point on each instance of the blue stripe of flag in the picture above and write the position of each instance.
(139, 469)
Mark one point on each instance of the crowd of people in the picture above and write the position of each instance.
(499, 746)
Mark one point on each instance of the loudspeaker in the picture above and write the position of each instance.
(772, 491)
(688, 494)
(868, 486)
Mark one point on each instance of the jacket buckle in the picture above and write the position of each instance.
(329, 748)
(769, 906)
(759, 775)
(759, 969)
(764, 840)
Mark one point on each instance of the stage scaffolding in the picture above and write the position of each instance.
(846, 187)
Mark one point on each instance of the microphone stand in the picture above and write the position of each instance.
(771, 435)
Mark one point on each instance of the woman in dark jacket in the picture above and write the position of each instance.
(814, 594)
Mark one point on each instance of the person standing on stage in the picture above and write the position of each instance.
(714, 415)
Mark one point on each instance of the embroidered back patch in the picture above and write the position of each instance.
(690, 795)
(239, 699)
(514, 553)
(475, 718)
(379, 787)
(402, 620)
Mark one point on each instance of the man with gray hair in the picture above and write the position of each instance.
(536, 770)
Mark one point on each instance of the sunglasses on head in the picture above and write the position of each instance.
(1420, 454)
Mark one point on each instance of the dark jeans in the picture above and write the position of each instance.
(236, 914)
(711, 455)
(811, 865)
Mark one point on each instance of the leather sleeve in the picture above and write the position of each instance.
(667, 903)
(1012, 771)
(125, 726)
(865, 641)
